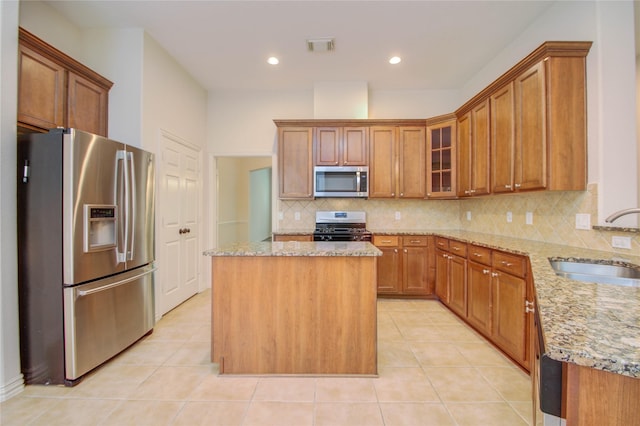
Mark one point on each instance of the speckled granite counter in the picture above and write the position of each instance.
(592, 325)
(296, 248)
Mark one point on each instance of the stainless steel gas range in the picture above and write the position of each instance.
(341, 226)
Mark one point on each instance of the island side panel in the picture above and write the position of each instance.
(294, 315)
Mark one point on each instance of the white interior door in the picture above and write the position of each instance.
(179, 255)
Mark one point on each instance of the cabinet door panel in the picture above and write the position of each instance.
(442, 276)
(412, 157)
(480, 150)
(509, 317)
(531, 139)
(41, 90)
(327, 146)
(355, 146)
(382, 180)
(458, 285)
(464, 155)
(87, 105)
(502, 139)
(479, 297)
(415, 269)
(441, 160)
(294, 162)
(389, 277)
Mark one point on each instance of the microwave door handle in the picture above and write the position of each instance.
(120, 195)
(131, 210)
(357, 181)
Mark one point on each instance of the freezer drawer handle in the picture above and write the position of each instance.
(82, 293)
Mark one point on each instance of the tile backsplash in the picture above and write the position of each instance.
(553, 216)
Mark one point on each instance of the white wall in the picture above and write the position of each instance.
(118, 54)
(11, 381)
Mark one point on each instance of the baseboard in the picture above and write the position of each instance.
(12, 388)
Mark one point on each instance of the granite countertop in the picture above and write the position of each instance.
(589, 324)
(296, 248)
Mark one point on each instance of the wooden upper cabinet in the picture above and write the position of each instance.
(441, 157)
(397, 162)
(503, 118)
(41, 90)
(411, 162)
(85, 105)
(473, 151)
(531, 138)
(54, 90)
(295, 167)
(341, 146)
(382, 162)
(567, 121)
(464, 154)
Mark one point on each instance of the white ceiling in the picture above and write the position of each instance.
(225, 44)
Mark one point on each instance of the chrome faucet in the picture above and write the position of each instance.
(617, 214)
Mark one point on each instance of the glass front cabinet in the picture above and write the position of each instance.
(441, 157)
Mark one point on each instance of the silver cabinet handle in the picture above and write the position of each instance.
(494, 274)
(485, 271)
(507, 186)
(517, 185)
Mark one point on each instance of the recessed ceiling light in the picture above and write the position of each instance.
(395, 60)
(273, 60)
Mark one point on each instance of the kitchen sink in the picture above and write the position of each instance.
(596, 272)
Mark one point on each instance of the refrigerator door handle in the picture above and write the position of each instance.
(83, 293)
(120, 197)
(131, 210)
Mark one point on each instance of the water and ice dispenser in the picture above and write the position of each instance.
(100, 227)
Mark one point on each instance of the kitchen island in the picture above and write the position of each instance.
(294, 308)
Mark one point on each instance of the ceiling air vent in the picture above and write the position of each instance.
(321, 45)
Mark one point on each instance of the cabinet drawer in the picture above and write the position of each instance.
(480, 254)
(292, 237)
(511, 263)
(386, 240)
(458, 248)
(414, 241)
(442, 243)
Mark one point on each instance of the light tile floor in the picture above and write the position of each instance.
(433, 370)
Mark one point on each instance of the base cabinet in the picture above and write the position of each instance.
(451, 274)
(404, 267)
(490, 290)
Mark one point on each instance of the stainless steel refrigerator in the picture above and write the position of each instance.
(86, 252)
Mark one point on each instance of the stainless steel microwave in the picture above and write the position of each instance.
(336, 181)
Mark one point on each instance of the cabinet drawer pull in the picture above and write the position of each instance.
(517, 185)
(477, 254)
(456, 248)
(415, 241)
(494, 274)
(485, 271)
(507, 186)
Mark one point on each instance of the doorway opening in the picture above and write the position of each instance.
(243, 199)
